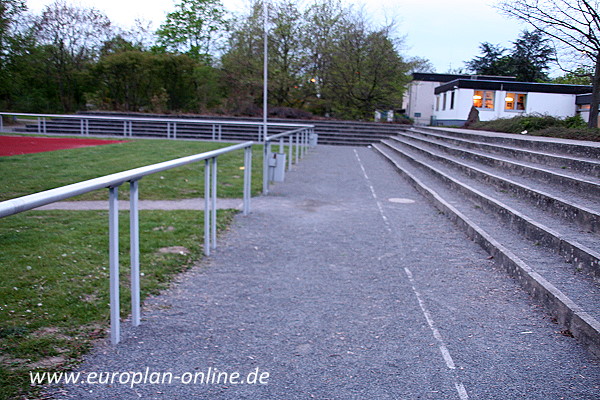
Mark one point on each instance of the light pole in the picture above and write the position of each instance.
(266, 149)
(265, 67)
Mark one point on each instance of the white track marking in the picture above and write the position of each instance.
(460, 388)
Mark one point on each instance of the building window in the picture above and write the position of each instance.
(444, 101)
(437, 103)
(484, 99)
(452, 95)
(515, 101)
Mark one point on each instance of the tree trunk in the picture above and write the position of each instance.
(593, 121)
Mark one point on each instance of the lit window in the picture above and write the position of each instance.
(515, 101)
(483, 99)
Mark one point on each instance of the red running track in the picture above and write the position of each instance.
(16, 145)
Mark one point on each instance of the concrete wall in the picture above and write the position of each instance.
(420, 99)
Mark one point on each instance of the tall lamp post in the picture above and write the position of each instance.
(266, 149)
(265, 67)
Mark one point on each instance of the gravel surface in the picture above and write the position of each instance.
(345, 284)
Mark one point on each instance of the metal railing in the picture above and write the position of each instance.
(299, 140)
(171, 124)
(300, 136)
(112, 183)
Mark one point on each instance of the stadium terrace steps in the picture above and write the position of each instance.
(330, 132)
(533, 203)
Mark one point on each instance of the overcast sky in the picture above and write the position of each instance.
(447, 32)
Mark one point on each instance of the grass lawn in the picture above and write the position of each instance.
(54, 279)
(31, 173)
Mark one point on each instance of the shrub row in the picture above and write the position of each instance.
(542, 125)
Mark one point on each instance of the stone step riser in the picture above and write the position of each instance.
(581, 257)
(584, 327)
(563, 147)
(584, 166)
(588, 220)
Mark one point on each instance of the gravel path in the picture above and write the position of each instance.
(343, 284)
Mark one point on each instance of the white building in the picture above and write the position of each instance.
(420, 98)
(503, 99)
(445, 99)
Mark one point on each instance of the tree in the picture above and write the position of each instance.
(323, 21)
(242, 63)
(72, 38)
(531, 56)
(367, 72)
(580, 76)
(491, 62)
(10, 11)
(572, 24)
(194, 28)
(286, 55)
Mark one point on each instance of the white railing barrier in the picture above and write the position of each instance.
(112, 182)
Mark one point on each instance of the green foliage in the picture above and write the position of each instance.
(527, 61)
(194, 28)
(144, 81)
(542, 125)
(324, 59)
(580, 76)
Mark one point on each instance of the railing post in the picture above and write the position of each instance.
(174, 130)
(297, 146)
(207, 207)
(113, 240)
(266, 153)
(220, 131)
(124, 128)
(134, 234)
(214, 203)
(213, 131)
(247, 179)
(290, 150)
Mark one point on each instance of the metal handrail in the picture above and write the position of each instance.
(300, 137)
(112, 182)
(128, 128)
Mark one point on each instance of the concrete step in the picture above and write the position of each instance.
(533, 253)
(542, 228)
(571, 206)
(576, 148)
(576, 181)
(589, 166)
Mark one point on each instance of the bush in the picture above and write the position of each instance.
(542, 125)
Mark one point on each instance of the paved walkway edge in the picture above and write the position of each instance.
(583, 326)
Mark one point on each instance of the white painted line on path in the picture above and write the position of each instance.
(460, 388)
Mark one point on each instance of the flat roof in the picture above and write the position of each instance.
(584, 99)
(433, 77)
(513, 86)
